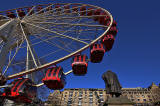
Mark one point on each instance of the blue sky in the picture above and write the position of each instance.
(135, 56)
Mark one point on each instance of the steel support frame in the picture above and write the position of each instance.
(4, 52)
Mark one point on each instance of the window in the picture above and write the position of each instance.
(138, 99)
(60, 73)
(80, 92)
(91, 93)
(102, 100)
(144, 99)
(69, 103)
(90, 96)
(149, 96)
(80, 99)
(100, 96)
(132, 99)
(80, 96)
(101, 93)
(85, 92)
(50, 71)
(69, 99)
(150, 99)
(55, 71)
(90, 99)
(71, 92)
(80, 103)
(143, 96)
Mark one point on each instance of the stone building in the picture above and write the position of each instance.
(94, 97)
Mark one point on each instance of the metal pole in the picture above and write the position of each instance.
(27, 61)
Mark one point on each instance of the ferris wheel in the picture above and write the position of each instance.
(39, 37)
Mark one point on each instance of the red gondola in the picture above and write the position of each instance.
(105, 21)
(39, 9)
(79, 64)
(49, 8)
(113, 30)
(75, 9)
(96, 53)
(21, 13)
(108, 41)
(114, 24)
(97, 12)
(29, 10)
(101, 19)
(11, 14)
(58, 9)
(90, 12)
(83, 10)
(55, 78)
(67, 9)
(22, 91)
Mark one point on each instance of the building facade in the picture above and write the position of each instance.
(94, 97)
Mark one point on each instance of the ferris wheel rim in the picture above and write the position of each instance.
(69, 55)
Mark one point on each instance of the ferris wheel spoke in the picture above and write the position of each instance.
(13, 57)
(55, 17)
(51, 37)
(60, 18)
(53, 52)
(35, 12)
(28, 12)
(69, 24)
(5, 49)
(67, 45)
(81, 30)
(7, 24)
(64, 44)
(28, 45)
(66, 73)
(45, 15)
(62, 29)
(1, 46)
(51, 43)
(58, 33)
(40, 15)
(47, 18)
(48, 37)
(50, 53)
(2, 21)
(5, 18)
